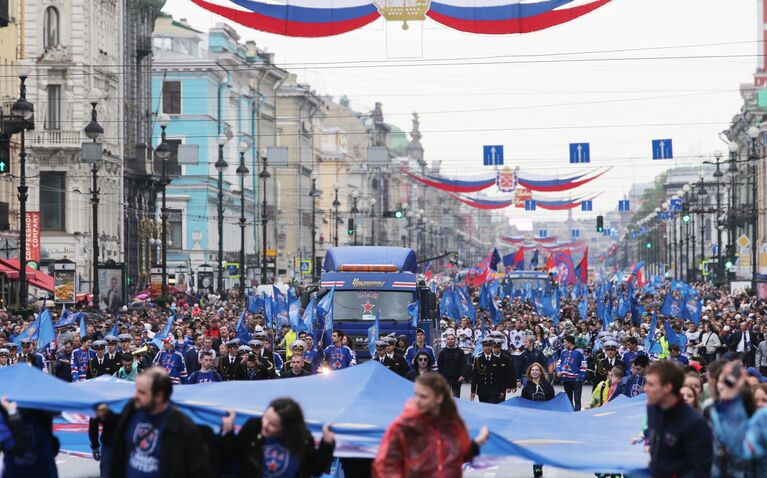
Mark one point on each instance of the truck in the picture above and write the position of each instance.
(376, 279)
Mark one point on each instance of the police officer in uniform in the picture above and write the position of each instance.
(487, 381)
(607, 362)
(100, 364)
(228, 364)
(507, 365)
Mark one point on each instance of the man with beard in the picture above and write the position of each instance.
(153, 439)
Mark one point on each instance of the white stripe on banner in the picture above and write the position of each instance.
(315, 3)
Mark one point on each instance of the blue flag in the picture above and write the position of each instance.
(255, 303)
(412, 310)
(485, 297)
(294, 314)
(157, 340)
(115, 330)
(325, 310)
(310, 316)
(534, 260)
(65, 319)
(268, 311)
(672, 306)
(83, 326)
(583, 307)
(280, 307)
(693, 308)
(373, 332)
(41, 330)
(671, 335)
(495, 258)
(242, 329)
(495, 314)
(651, 346)
(478, 344)
(464, 304)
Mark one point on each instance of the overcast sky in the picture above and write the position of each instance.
(536, 93)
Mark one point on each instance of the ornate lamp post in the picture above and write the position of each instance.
(336, 204)
(264, 175)
(314, 194)
(242, 171)
(221, 165)
(163, 153)
(94, 131)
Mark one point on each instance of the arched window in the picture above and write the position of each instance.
(51, 28)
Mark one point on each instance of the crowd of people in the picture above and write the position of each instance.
(704, 383)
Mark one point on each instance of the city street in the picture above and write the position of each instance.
(335, 212)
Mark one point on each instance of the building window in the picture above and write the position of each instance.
(52, 200)
(176, 231)
(53, 115)
(171, 97)
(51, 28)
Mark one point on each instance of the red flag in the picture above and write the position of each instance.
(582, 271)
(550, 263)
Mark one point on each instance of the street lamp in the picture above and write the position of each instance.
(163, 153)
(753, 134)
(314, 194)
(373, 221)
(336, 203)
(732, 170)
(22, 119)
(355, 211)
(264, 174)
(719, 226)
(221, 165)
(242, 171)
(93, 131)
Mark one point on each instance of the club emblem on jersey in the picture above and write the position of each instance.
(147, 437)
(275, 460)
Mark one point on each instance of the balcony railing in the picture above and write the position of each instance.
(54, 138)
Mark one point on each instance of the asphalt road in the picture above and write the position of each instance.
(75, 467)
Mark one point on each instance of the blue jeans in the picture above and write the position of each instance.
(106, 457)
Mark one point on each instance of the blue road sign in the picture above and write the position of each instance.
(529, 205)
(543, 233)
(676, 204)
(580, 153)
(587, 205)
(492, 155)
(662, 149)
(624, 205)
(576, 233)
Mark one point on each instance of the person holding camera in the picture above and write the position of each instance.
(252, 368)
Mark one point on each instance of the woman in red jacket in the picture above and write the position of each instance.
(429, 438)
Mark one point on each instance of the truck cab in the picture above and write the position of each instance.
(370, 280)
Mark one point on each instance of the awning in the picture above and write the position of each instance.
(41, 280)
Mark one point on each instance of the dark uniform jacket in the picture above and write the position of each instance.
(487, 379)
(396, 364)
(603, 367)
(228, 369)
(508, 374)
(258, 373)
(106, 367)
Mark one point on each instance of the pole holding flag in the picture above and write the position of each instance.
(373, 332)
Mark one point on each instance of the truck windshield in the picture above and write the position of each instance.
(353, 305)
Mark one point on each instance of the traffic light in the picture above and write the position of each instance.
(5, 154)
(686, 217)
(648, 245)
(351, 226)
(600, 223)
(398, 214)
